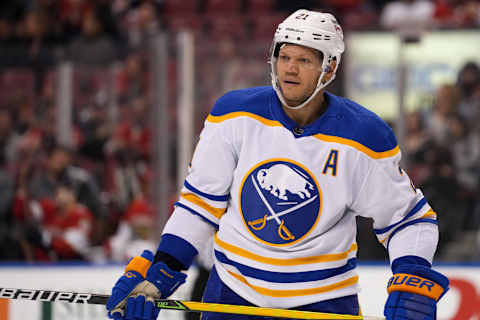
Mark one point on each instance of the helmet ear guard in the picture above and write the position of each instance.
(329, 72)
(316, 30)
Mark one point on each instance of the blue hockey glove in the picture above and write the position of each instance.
(414, 291)
(134, 293)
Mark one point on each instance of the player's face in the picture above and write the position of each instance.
(298, 71)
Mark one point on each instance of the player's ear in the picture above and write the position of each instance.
(329, 71)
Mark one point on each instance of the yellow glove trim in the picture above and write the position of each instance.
(140, 265)
(414, 284)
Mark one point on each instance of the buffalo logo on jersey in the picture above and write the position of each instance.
(280, 201)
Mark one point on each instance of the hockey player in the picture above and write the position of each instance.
(277, 179)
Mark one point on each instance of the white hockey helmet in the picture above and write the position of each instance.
(315, 30)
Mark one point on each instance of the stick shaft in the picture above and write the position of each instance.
(100, 299)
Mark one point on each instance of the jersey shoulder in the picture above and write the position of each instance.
(255, 100)
(362, 126)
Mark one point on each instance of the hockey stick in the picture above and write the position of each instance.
(91, 298)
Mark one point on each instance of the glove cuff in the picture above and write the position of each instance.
(420, 280)
(415, 284)
(165, 279)
(140, 265)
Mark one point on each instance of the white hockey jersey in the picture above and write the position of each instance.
(283, 199)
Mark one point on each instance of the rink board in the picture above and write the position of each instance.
(462, 301)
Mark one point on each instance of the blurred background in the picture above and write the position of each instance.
(102, 101)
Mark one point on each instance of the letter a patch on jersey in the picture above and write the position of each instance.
(331, 163)
(280, 201)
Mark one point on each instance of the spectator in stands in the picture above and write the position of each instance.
(445, 106)
(136, 227)
(71, 14)
(66, 224)
(123, 182)
(95, 131)
(128, 151)
(7, 137)
(468, 78)
(9, 246)
(53, 228)
(456, 14)
(6, 31)
(94, 46)
(39, 40)
(468, 83)
(416, 148)
(416, 135)
(59, 169)
(133, 80)
(143, 22)
(132, 130)
(29, 141)
(442, 189)
(444, 13)
(27, 216)
(467, 14)
(465, 148)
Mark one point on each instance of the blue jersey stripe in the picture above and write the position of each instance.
(415, 209)
(179, 248)
(287, 277)
(196, 213)
(409, 223)
(205, 195)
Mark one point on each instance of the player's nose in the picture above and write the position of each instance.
(292, 67)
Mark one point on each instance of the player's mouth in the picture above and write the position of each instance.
(291, 83)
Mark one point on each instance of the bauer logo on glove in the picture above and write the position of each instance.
(414, 284)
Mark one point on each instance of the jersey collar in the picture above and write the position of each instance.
(317, 126)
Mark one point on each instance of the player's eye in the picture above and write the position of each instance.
(283, 58)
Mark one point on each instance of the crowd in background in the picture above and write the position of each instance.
(91, 200)
(441, 152)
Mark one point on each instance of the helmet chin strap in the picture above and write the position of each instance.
(304, 103)
(319, 87)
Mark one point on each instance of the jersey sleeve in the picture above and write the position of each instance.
(399, 210)
(204, 197)
(207, 186)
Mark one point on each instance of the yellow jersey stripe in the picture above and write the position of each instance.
(298, 292)
(320, 136)
(430, 214)
(358, 146)
(265, 121)
(216, 212)
(284, 262)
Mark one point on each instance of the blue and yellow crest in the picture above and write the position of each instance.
(280, 201)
